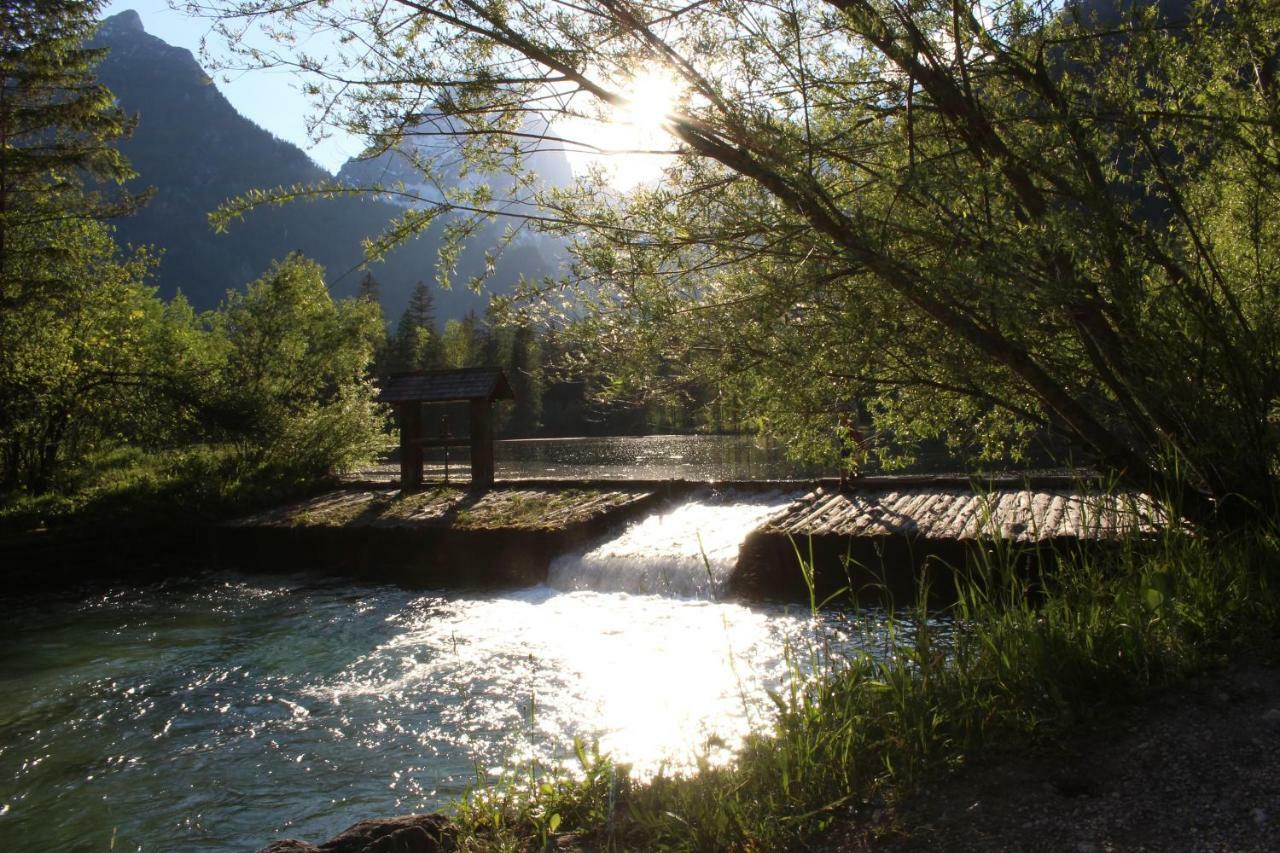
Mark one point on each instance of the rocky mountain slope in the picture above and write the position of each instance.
(196, 151)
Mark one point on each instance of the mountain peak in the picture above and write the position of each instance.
(127, 21)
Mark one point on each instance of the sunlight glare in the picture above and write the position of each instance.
(625, 136)
(652, 95)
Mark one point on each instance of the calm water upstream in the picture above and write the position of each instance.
(222, 712)
(645, 457)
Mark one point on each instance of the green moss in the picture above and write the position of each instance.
(498, 509)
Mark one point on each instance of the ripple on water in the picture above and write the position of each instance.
(226, 712)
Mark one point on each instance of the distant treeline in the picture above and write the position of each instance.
(556, 394)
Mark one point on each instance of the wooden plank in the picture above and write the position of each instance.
(1025, 514)
(929, 515)
(985, 522)
(782, 520)
(842, 523)
(874, 525)
(804, 524)
(1039, 512)
(867, 514)
(1053, 516)
(943, 513)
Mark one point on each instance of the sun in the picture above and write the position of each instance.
(623, 137)
(651, 98)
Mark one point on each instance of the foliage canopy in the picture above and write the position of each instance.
(986, 221)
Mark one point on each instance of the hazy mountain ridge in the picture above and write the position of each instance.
(197, 151)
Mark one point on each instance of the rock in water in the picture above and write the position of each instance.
(423, 833)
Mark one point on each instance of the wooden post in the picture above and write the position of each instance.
(410, 446)
(481, 444)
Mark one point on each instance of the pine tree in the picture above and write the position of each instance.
(421, 311)
(525, 373)
(369, 289)
(70, 313)
(416, 343)
(57, 129)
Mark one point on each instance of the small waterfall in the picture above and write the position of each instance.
(687, 551)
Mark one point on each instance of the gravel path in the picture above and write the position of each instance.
(1195, 769)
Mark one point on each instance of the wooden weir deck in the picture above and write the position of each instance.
(441, 537)
(1015, 513)
(884, 533)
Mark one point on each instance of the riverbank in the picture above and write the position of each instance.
(1021, 682)
(1193, 767)
(1196, 767)
(129, 514)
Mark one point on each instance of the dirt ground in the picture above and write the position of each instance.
(1197, 768)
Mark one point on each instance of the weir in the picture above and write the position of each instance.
(688, 551)
(875, 537)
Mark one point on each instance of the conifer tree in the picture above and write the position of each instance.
(71, 315)
(57, 130)
(416, 342)
(369, 289)
(525, 373)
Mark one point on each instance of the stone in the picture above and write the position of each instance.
(429, 833)
(411, 839)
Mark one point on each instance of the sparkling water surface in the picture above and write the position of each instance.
(642, 457)
(223, 712)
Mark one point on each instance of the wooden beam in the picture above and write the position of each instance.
(410, 417)
(481, 444)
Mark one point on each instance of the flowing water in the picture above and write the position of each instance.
(688, 551)
(222, 712)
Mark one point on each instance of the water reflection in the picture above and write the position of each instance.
(222, 714)
(649, 457)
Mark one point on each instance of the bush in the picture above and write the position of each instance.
(293, 389)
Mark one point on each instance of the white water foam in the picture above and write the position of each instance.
(687, 551)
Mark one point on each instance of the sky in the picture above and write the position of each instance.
(271, 99)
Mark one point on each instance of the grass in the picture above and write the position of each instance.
(125, 486)
(1018, 663)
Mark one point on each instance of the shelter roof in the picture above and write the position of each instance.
(445, 386)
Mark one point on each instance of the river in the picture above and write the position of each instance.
(221, 712)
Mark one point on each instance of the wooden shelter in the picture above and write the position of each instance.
(477, 386)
